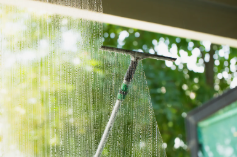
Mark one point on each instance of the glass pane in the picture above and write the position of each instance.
(58, 90)
(218, 134)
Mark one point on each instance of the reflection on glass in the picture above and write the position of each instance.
(217, 134)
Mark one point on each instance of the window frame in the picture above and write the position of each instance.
(202, 112)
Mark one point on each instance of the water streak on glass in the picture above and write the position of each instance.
(57, 90)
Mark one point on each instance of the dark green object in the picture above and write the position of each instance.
(123, 92)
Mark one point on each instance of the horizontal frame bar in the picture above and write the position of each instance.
(121, 21)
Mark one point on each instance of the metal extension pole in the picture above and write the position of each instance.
(121, 96)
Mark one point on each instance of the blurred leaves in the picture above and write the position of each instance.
(174, 90)
(171, 102)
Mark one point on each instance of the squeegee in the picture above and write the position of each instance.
(135, 58)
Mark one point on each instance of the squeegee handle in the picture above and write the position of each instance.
(121, 96)
(108, 128)
(127, 80)
(131, 71)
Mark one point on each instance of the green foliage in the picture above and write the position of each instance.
(176, 91)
